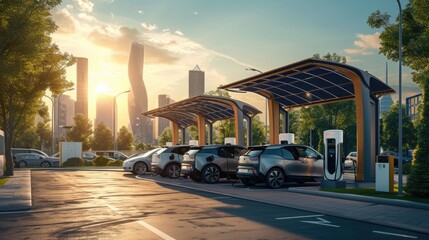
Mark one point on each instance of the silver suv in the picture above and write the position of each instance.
(210, 163)
(166, 162)
(276, 164)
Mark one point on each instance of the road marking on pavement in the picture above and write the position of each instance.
(322, 222)
(295, 217)
(155, 230)
(395, 234)
(113, 208)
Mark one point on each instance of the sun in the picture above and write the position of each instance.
(102, 88)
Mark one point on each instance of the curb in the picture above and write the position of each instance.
(386, 201)
(15, 195)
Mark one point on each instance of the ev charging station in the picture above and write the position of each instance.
(287, 138)
(332, 165)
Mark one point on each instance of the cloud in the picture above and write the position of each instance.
(85, 5)
(178, 32)
(196, 13)
(65, 21)
(140, 11)
(149, 26)
(365, 44)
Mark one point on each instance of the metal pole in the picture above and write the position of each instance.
(52, 125)
(115, 144)
(400, 103)
(266, 108)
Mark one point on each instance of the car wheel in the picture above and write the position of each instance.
(247, 182)
(173, 170)
(45, 164)
(22, 164)
(196, 176)
(275, 178)
(211, 174)
(139, 168)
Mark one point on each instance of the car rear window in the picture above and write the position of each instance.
(213, 151)
(192, 151)
(253, 152)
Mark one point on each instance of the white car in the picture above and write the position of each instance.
(167, 161)
(139, 164)
(351, 160)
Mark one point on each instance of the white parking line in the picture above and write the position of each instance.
(155, 230)
(395, 234)
(295, 217)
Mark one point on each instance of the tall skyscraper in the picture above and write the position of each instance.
(64, 114)
(68, 106)
(137, 98)
(196, 82)
(386, 100)
(104, 111)
(82, 86)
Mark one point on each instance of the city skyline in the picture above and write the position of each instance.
(222, 37)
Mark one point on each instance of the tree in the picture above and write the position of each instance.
(166, 136)
(125, 139)
(29, 64)
(103, 138)
(415, 54)
(44, 133)
(258, 131)
(81, 131)
(389, 139)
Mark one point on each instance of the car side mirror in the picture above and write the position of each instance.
(210, 158)
(172, 157)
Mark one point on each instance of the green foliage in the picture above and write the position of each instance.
(89, 164)
(166, 136)
(125, 139)
(74, 162)
(193, 131)
(418, 181)
(389, 138)
(103, 138)
(115, 163)
(415, 54)
(44, 133)
(81, 131)
(223, 129)
(30, 64)
(258, 131)
(101, 161)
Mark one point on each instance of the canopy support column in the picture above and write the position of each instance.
(274, 120)
(210, 137)
(238, 119)
(175, 133)
(201, 130)
(249, 130)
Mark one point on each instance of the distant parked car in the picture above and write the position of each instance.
(112, 154)
(405, 158)
(28, 150)
(35, 160)
(167, 161)
(139, 164)
(210, 163)
(351, 160)
(276, 164)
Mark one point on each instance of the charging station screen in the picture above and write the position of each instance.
(331, 155)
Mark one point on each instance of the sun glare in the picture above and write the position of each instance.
(102, 88)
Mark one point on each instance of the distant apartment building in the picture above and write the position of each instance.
(64, 114)
(82, 86)
(162, 123)
(412, 106)
(104, 111)
(196, 82)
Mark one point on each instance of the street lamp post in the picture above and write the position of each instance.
(266, 107)
(400, 103)
(58, 111)
(115, 144)
(52, 124)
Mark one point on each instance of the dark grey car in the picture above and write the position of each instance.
(35, 160)
(276, 164)
(212, 162)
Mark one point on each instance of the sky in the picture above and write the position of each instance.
(222, 37)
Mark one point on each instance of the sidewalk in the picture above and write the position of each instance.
(15, 195)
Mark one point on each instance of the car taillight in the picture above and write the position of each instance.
(253, 159)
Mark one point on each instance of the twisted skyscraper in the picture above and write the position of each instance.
(137, 98)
